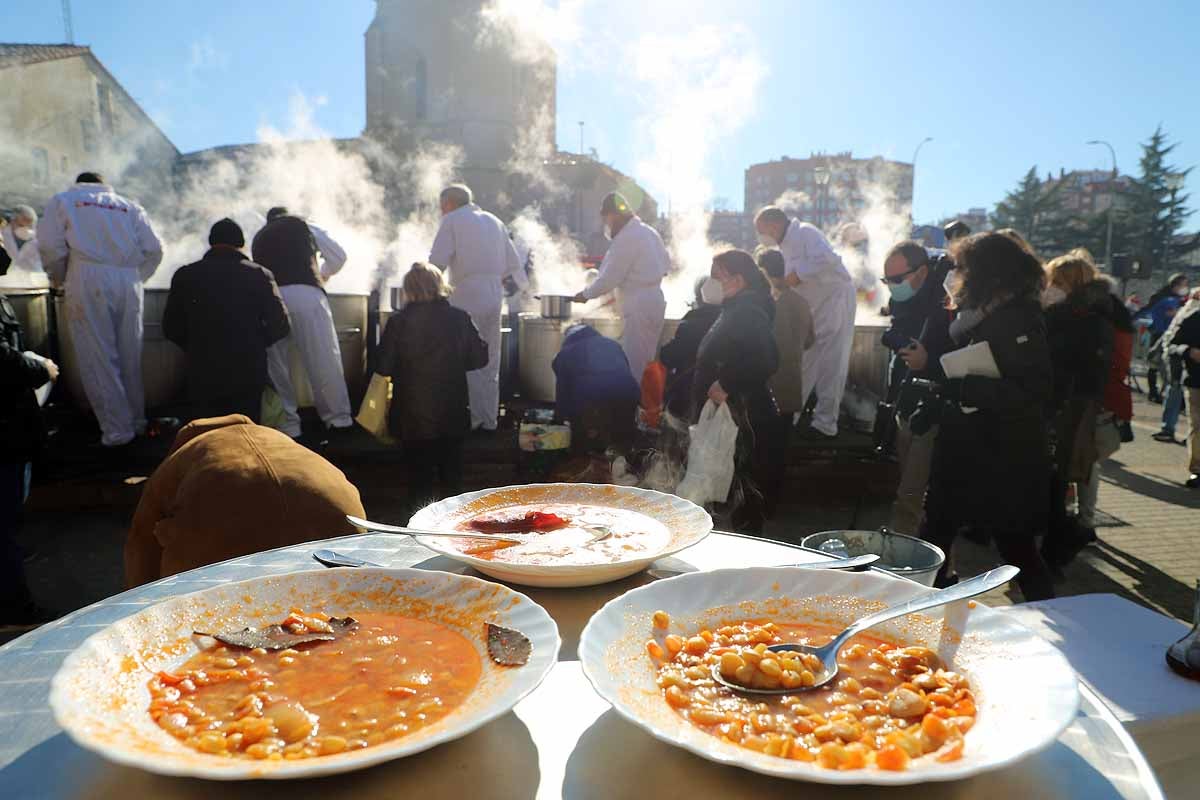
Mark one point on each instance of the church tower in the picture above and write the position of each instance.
(435, 70)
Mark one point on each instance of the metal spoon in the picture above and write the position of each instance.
(598, 532)
(332, 558)
(828, 653)
(850, 562)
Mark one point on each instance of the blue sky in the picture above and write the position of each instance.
(999, 87)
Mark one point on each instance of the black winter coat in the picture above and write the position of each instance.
(679, 357)
(286, 247)
(991, 467)
(225, 311)
(1186, 337)
(739, 350)
(427, 351)
(21, 429)
(1080, 333)
(926, 319)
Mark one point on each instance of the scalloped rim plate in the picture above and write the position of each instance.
(100, 698)
(688, 523)
(1025, 690)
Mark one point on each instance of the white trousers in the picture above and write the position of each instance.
(315, 338)
(104, 314)
(827, 362)
(482, 298)
(644, 310)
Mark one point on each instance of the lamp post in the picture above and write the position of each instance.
(580, 137)
(1112, 201)
(916, 153)
(821, 175)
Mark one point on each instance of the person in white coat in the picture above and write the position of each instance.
(103, 247)
(634, 266)
(474, 248)
(20, 239)
(816, 272)
(302, 256)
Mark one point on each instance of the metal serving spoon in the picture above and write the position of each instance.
(850, 562)
(989, 580)
(332, 558)
(598, 532)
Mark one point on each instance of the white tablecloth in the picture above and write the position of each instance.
(1118, 648)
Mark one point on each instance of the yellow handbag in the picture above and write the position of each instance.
(373, 413)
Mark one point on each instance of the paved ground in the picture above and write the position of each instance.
(1149, 549)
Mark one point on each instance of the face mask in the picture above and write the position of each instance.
(1052, 295)
(901, 292)
(711, 292)
(26, 234)
(1182, 292)
(767, 240)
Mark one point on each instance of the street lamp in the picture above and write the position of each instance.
(821, 175)
(916, 153)
(1112, 201)
(581, 137)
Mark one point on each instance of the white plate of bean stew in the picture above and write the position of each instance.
(933, 697)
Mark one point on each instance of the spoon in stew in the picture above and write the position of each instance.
(827, 653)
(598, 532)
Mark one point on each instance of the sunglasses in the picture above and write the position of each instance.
(895, 280)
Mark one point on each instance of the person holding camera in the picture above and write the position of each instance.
(990, 471)
(918, 336)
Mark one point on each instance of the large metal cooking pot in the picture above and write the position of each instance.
(555, 306)
(33, 310)
(869, 361)
(162, 361)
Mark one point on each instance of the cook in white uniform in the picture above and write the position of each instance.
(20, 240)
(289, 247)
(103, 247)
(635, 265)
(473, 246)
(816, 272)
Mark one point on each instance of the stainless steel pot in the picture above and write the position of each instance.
(555, 306)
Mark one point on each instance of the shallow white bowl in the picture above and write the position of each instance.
(99, 695)
(687, 522)
(1025, 690)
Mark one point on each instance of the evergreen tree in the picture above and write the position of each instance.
(1032, 210)
(1155, 213)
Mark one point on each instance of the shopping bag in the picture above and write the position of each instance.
(272, 414)
(373, 413)
(654, 384)
(711, 450)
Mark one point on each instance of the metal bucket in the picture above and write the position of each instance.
(905, 556)
(869, 361)
(162, 361)
(33, 310)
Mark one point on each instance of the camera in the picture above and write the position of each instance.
(931, 405)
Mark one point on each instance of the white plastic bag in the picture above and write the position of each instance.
(711, 453)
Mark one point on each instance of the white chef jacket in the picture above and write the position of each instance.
(472, 245)
(636, 259)
(91, 224)
(24, 257)
(333, 256)
(808, 255)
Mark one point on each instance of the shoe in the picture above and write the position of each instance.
(1155, 398)
(1164, 436)
(1193, 482)
(812, 434)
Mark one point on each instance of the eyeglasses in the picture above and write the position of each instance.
(896, 280)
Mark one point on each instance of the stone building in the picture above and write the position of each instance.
(63, 113)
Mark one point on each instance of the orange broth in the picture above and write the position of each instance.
(387, 678)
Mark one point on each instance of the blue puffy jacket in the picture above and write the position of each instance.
(591, 369)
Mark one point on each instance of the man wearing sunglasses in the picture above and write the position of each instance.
(918, 336)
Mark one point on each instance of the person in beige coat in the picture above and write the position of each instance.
(794, 333)
(230, 488)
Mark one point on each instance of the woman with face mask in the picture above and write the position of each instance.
(1080, 327)
(736, 359)
(679, 354)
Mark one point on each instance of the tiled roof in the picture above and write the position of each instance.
(12, 55)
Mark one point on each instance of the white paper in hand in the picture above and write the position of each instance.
(975, 359)
(42, 393)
